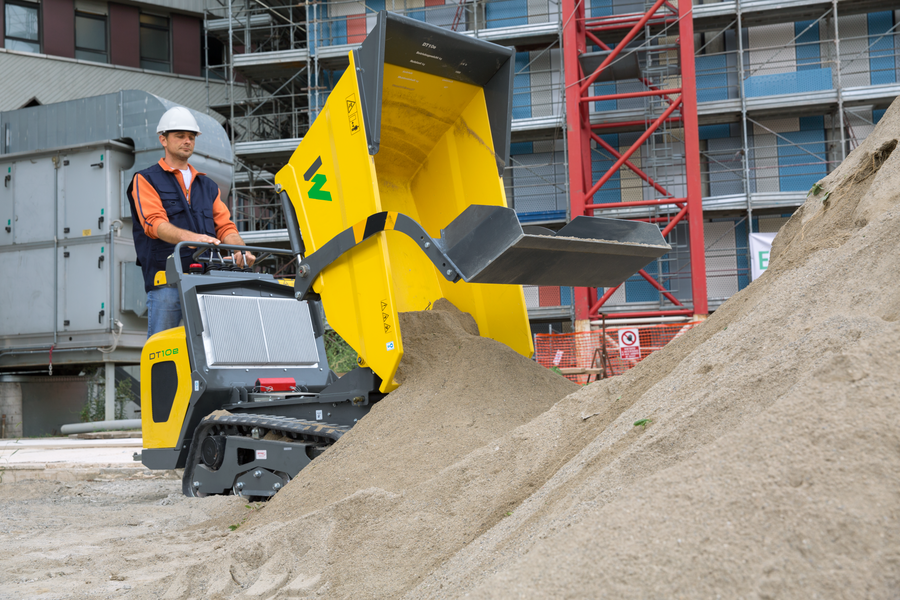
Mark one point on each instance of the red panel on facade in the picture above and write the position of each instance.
(434, 2)
(186, 45)
(356, 29)
(548, 296)
(124, 35)
(59, 27)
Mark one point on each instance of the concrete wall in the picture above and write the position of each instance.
(48, 403)
(11, 406)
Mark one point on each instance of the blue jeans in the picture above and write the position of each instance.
(163, 309)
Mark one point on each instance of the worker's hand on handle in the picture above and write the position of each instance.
(239, 259)
(204, 239)
(172, 234)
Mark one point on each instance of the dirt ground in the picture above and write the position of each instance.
(769, 466)
(102, 539)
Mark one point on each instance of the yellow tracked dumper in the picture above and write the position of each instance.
(394, 199)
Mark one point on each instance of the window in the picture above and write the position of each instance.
(22, 31)
(155, 43)
(90, 37)
(214, 58)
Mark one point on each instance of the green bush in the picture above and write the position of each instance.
(341, 357)
(95, 407)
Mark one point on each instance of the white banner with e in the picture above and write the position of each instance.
(760, 248)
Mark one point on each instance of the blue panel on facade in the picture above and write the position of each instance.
(566, 296)
(333, 32)
(522, 87)
(603, 89)
(521, 148)
(881, 48)
(801, 160)
(812, 123)
(638, 289)
(711, 132)
(742, 250)
(601, 8)
(807, 49)
(711, 80)
(788, 83)
(374, 6)
(506, 13)
(601, 162)
(877, 114)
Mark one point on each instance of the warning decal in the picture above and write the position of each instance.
(629, 344)
(385, 315)
(353, 113)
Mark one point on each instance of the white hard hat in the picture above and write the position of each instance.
(178, 119)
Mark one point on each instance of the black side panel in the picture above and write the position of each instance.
(163, 386)
(162, 458)
(416, 45)
(498, 98)
(369, 61)
(358, 383)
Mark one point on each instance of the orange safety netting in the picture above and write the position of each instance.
(580, 356)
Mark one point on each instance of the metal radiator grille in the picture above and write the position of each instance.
(239, 331)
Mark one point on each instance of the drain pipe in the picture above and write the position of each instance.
(119, 425)
(43, 350)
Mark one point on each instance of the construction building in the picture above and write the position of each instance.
(782, 92)
(778, 106)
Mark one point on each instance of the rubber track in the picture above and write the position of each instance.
(325, 433)
(306, 431)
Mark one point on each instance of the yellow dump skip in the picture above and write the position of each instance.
(431, 154)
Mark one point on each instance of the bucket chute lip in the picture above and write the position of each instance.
(419, 46)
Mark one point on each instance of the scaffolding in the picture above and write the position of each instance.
(779, 94)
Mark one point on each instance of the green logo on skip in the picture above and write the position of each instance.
(318, 180)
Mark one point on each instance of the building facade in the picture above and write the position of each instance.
(58, 50)
(784, 91)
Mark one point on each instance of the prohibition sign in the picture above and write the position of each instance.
(629, 344)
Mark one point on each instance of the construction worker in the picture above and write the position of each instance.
(172, 202)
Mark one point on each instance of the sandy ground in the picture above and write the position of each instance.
(102, 539)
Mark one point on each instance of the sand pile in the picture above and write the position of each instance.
(771, 467)
(458, 392)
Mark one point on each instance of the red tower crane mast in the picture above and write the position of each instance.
(613, 33)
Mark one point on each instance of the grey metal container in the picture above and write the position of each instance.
(67, 260)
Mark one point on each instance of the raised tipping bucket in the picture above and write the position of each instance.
(488, 245)
(419, 125)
